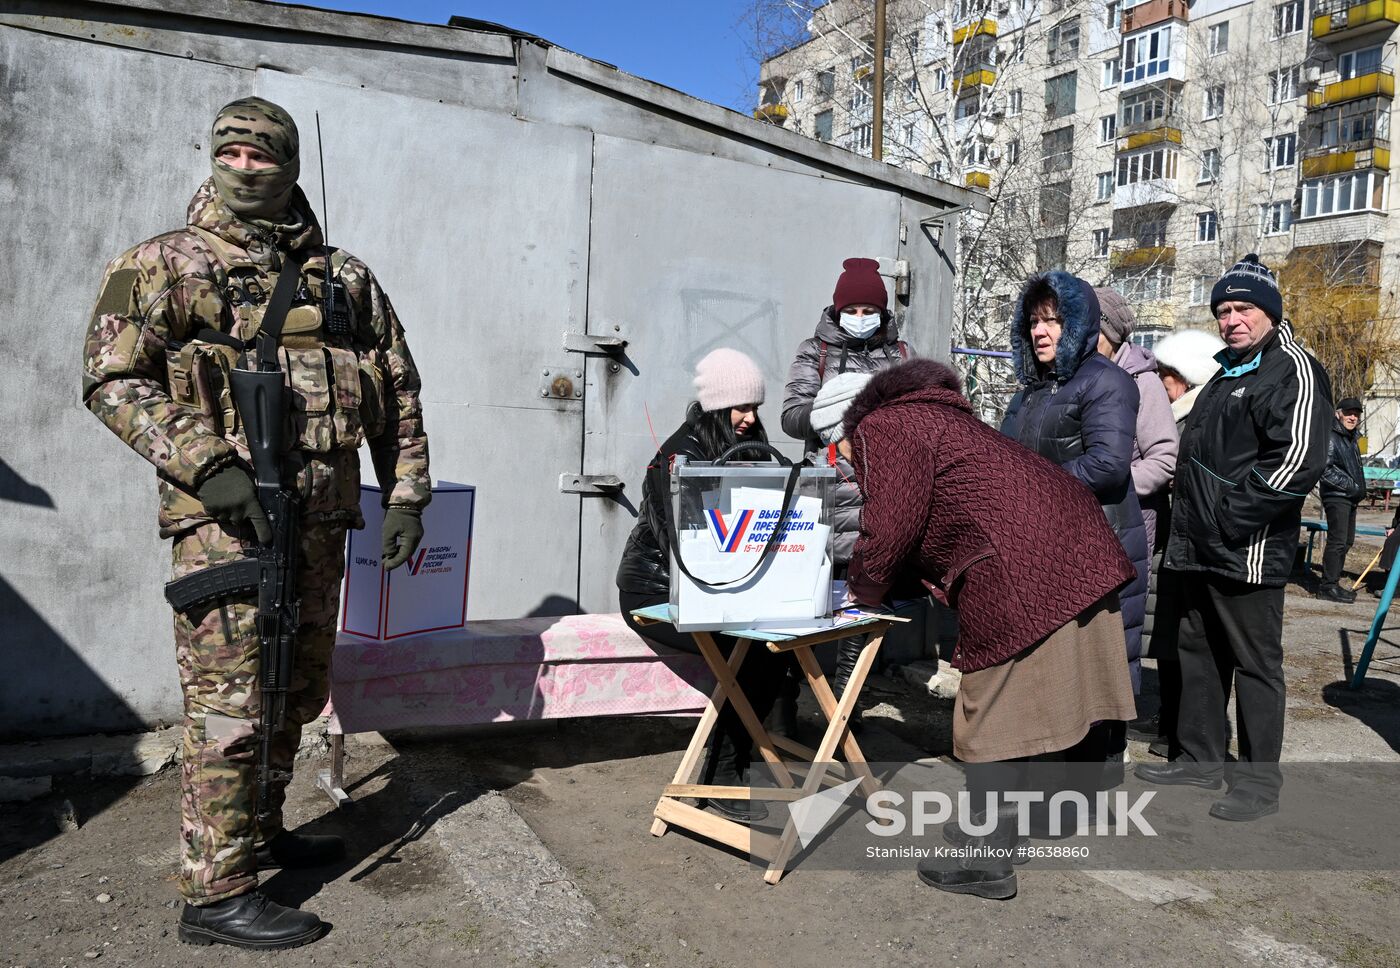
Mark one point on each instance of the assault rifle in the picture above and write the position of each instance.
(260, 398)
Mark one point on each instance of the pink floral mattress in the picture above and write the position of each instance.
(512, 669)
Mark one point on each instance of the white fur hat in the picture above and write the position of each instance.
(831, 403)
(1190, 352)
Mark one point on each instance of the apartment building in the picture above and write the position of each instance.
(1141, 145)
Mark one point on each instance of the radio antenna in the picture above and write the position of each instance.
(325, 214)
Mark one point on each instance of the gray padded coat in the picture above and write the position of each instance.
(843, 354)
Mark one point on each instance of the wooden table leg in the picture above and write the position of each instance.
(826, 699)
(690, 762)
(741, 705)
(835, 733)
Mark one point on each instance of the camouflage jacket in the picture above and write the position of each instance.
(152, 376)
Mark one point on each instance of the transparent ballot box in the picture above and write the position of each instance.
(737, 559)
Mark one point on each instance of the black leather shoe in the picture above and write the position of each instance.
(1177, 774)
(1348, 593)
(249, 921)
(741, 811)
(994, 880)
(1331, 593)
(300, 850)
(1159, 748)
(1243, 806)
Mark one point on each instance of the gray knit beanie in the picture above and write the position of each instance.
(1116, 317)
(832, 401)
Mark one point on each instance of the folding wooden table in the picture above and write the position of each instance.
(818, 764)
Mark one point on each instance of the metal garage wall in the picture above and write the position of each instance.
(88, 167)
(477, 225)
(690, 252)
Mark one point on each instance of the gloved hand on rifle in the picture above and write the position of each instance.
(403, 529)
(231, 499)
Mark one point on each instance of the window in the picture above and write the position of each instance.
(1284, 84)
(1013, 103)
(1200, 290)
(1112, 72)
(1214, 106)
(1107, 128)
(1218, 39)
(1103, 186)
(1057, 150)
(939, 169)
(821, 126)
(1210, 165)
(1146, 166)
(826, 82)
(1062, 42)
(1206, 226)
(1141, 108)
(1352, 192)
(975, 153)
(860, 95)
(1147, 54)
(1275, 218)
(911, 87)
(1013, 151)
(940, 79)
(1352, 122)
(860, 138)
(911, 134)
(1100, 243)
(967, 107)
(1018, 52)
(1356, 63)
(797, 91)
(1113, 15)
(1281, 150)
(1154, 285)
(1288, 18)
(1050, 253)
(1060, 95)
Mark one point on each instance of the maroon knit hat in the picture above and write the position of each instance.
(860, 283)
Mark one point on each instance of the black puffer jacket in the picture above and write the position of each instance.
(645, 568)
(809, 371)
(1343, 479)
(1254, 446)
(1082, 414)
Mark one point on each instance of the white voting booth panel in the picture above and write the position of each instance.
(725, 518)
(428, 592)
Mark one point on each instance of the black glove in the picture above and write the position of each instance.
(231, 499)
(403, 529)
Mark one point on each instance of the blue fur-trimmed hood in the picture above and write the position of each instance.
(1079, 339)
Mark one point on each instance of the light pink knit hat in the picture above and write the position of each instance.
(727, 378)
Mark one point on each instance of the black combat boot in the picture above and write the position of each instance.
(847, 652)
(985, 868)
(300, 850)
(249, 921)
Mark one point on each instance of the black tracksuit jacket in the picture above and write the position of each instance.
(1254, 446)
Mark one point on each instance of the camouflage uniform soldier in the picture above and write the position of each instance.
(156, 367)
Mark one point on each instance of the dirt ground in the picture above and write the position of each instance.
(531, 847)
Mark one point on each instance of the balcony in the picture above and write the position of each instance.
(981, 75)
(1153, 191)
(1375, 84)
(1142, 257)
(1355, 155)
(772, 113)
(1335, 20)
(1169, 119)
(978, 178)
(1161, 133)
(985, 27)
(1154, 12)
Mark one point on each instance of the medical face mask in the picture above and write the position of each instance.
(860, 326)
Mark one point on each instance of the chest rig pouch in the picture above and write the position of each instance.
(337, 391)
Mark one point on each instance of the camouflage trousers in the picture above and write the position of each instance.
(217, 651)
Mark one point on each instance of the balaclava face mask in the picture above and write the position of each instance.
(264, 193)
